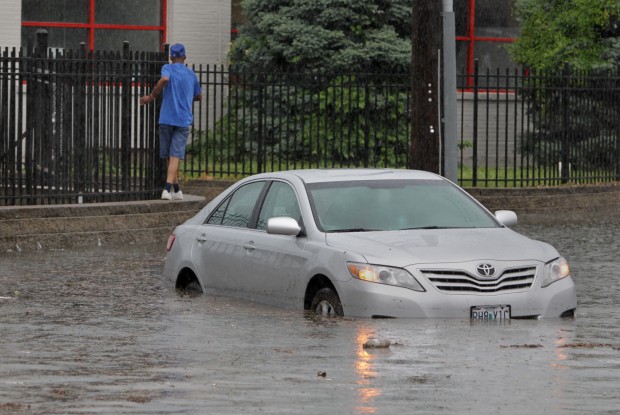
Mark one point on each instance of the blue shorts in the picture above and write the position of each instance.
(172, 141)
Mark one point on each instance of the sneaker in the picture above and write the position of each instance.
(177, 195)
(166, 195)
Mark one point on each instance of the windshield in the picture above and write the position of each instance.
(387, 205)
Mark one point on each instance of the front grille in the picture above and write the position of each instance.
(462, 282)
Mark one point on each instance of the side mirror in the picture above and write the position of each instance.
(283, 225)
(506, 217)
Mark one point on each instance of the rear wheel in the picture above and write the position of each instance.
(188, 283)
(327, 303)
(193, 287)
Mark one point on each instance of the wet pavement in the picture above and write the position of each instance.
(94, 331)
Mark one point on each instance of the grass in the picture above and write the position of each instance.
(486, 178)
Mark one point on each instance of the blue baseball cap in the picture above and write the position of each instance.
(177, 51)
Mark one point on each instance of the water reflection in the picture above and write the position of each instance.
(366, 373)
(560, 351)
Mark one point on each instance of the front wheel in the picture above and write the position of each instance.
(327, 303)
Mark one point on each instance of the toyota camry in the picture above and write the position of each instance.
(370, 243)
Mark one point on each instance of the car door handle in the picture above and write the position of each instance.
(249, 246)
(202, 238)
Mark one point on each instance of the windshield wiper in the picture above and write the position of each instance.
(427, 227)
(352, 230)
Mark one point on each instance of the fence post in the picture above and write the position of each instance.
(261, 114)
(126, 120)
(566, 136)
(164, 58)
(617, 131)
(80, 121)
(5, 135)
(366, 126)
(40, 149)
(474, 174)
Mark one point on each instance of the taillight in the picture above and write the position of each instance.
(171, 239)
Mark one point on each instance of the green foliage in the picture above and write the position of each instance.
(575, 115)
(324, 116)
(582, 33)
(324, 35)
(569, 44)
(313, 120)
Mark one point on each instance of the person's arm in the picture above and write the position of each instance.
(197, 90)
(161, 84)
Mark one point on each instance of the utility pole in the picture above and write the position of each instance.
(425, 85)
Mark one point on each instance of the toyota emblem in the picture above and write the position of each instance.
(485, 270)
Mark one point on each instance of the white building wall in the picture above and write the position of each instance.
(203, 26)
(10, 23)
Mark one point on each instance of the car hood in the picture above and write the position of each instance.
(404, 248)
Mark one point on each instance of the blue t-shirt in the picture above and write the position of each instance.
(179, 93)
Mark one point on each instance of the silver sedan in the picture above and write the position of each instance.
(369, 243)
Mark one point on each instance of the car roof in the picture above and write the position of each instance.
(348, 174)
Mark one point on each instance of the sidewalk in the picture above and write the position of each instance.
(66, 226)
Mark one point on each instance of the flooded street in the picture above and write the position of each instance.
(94, 331)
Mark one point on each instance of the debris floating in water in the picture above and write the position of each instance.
(521, 346)
(376, 343)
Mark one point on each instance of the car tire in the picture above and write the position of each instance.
(327, 303)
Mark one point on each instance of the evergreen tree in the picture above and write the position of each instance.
(324, 35)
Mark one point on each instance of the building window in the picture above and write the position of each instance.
(483, 29)
(237, 18)
(100, 24)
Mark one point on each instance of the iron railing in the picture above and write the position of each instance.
(71, 128)
(539, 128)
(516, 128)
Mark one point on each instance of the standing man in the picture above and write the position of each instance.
(181, 88)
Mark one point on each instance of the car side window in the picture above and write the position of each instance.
(280, 201)
(237, 210)
(218, 214)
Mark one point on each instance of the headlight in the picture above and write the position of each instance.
(384, 275)
(555, 271)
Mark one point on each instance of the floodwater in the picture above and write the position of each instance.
(94, 331)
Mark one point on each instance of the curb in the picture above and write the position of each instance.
(584, 198)
(68, 226)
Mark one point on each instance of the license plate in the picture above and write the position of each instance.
(490, 312)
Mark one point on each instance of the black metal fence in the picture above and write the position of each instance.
(71, 128)
(531, 128)
(516, 128)
(256, 122)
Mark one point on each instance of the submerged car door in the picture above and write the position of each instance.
(275, 263)
(218, 249)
